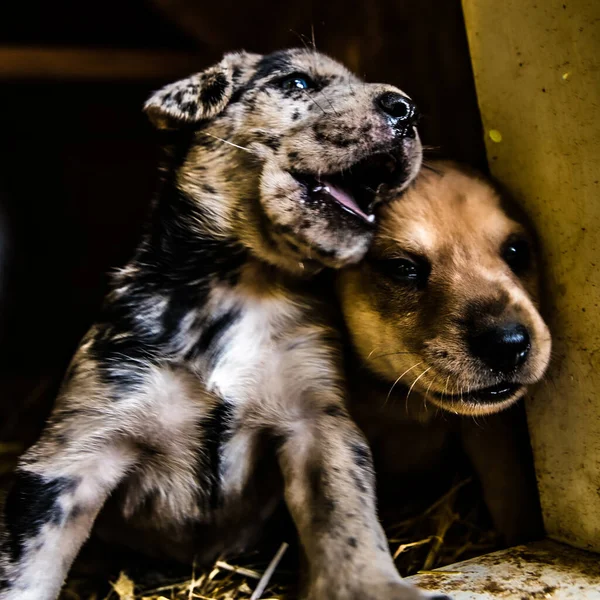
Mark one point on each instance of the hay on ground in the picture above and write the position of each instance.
(447, 531)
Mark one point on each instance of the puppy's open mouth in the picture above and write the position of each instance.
(489, 395)
(356, 189)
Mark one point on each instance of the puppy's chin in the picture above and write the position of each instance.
(476, 404)
(303, 231)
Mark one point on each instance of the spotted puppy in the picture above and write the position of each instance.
(443, 313)
(210, 384)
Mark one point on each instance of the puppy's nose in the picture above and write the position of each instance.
(400, 108)
(502, 348)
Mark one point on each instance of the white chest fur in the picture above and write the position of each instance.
(251, 350)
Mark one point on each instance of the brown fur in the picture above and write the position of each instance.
(413, 338)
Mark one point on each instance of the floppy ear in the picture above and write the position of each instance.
(200, 96)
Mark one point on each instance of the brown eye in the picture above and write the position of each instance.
(405, 270)
(516, 252)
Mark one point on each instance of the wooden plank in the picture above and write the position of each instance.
(20, 63)
(545, 570)
(537, 74)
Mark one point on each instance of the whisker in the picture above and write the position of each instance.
(427, 394)
(399, 378)
(445, 387)
(227, 142)
(429, 167)
(413, 385)
(301, 37)
(387, 354)
(337, 114)
(324, 111)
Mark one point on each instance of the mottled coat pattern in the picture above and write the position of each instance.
(210, 384)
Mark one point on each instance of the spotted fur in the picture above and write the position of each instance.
(210, 386)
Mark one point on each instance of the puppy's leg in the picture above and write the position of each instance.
(59, 489)
(329, 489)
(501, 455)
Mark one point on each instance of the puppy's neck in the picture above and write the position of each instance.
(184, 239)
(182, 249)
(180, 238)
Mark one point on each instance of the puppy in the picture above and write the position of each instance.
(443, 313)
(210, 385)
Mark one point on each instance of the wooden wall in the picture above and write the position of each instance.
(537, 71)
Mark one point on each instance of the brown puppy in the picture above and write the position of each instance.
(444, 315)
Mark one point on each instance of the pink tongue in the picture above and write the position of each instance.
(346, 200)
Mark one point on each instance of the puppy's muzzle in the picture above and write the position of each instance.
(502, 348)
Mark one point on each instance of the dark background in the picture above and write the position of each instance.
(77, 158)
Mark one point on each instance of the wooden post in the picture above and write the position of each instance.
(537, 72)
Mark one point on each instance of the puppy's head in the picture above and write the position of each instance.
(446, 301)
(290, 152)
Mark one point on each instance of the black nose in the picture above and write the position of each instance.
(502, 348)
(399, 107)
